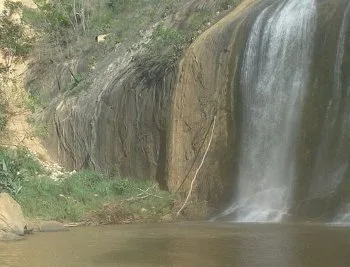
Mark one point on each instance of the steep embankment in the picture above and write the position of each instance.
(18, 131)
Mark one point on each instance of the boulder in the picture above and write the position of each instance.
(11, 216)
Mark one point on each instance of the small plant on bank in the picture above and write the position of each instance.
(16, 165)
(3, 118)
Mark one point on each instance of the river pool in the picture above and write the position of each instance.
(184, 244)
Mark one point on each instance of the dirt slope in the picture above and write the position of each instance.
(18, 131)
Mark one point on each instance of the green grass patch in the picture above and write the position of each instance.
(83, 195)
(17, 165)
(73, 197)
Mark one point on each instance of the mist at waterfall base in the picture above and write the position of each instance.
(294, 145)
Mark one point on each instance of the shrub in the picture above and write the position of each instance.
(34, 102)
(3, 118)
(161, 53)
(16, 165)
(14, 43)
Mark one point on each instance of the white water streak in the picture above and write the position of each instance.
(329, 172)
(274, 79)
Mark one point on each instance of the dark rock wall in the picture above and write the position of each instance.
(119, 123)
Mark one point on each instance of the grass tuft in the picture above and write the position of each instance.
(3, 118)
(16, 165)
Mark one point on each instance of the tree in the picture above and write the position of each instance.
(14, 44)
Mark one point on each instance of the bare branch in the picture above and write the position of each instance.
(200, 166)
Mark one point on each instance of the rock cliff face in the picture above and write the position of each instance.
(118, 123)
(158, 126)
(204, 92)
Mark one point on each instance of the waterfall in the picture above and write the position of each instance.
(338, 124)
(274, 79)
(329, 171)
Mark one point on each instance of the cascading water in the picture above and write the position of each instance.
(338, 123)
(273, 84)
(329, 171)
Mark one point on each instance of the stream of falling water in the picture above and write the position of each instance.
(340, 162)
(273, 83)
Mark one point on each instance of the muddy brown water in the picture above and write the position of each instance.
(185, 244)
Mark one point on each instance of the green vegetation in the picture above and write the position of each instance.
(34, 102)
(14, 43)
(41, 129)
(68, 29)
(77, 79)
(161, 53)
(16, 165)
(80, 196)
(74, 196)
(3, 118)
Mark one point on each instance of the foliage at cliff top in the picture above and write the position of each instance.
(74, 24)
(68, 30)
